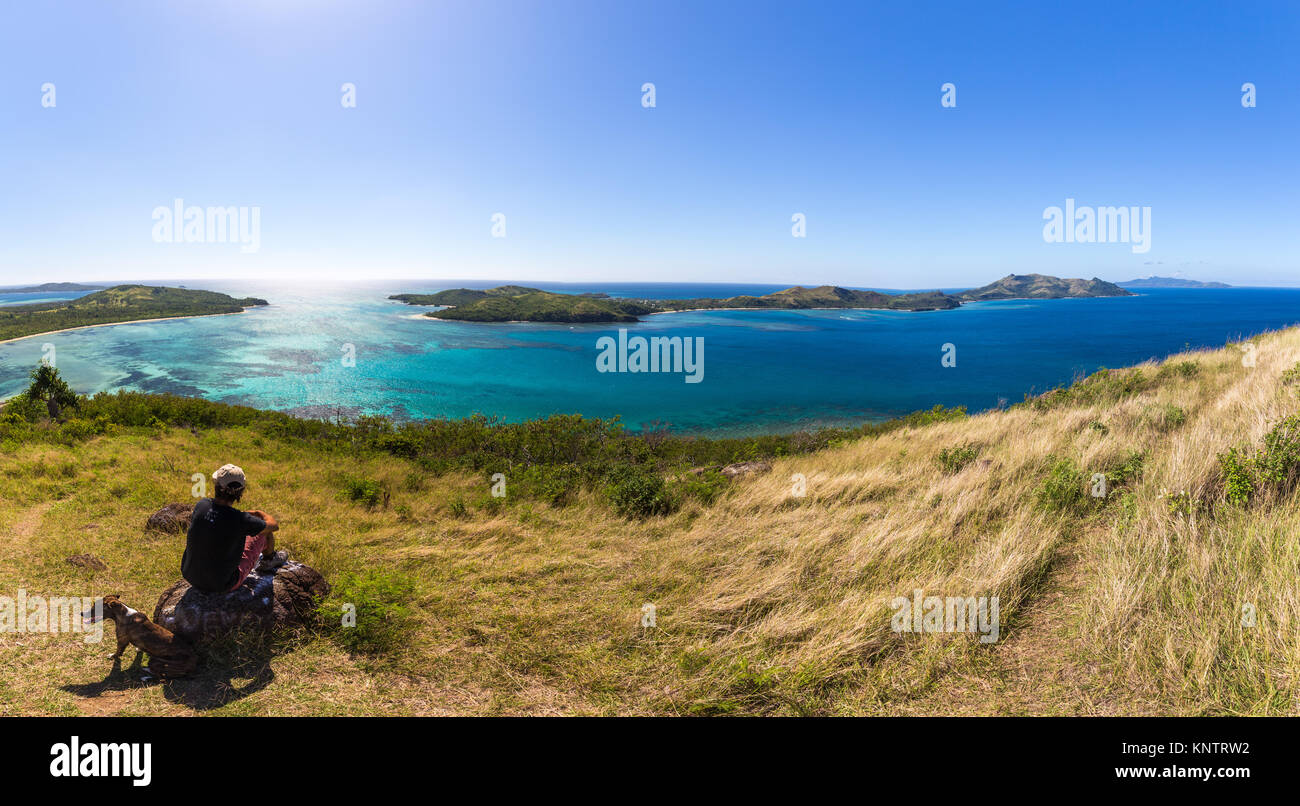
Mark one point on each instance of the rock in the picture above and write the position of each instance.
(88, 561)
(173, 518)
(745, 468)
(267, 599)
(696, 471)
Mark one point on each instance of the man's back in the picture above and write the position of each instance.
(215, 543)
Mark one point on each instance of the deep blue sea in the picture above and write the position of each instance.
(763, 370)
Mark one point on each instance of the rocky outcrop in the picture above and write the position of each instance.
(745, 469)
(733, 470)
(173, 518)
(266, 600)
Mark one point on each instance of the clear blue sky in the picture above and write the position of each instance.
(466, 109)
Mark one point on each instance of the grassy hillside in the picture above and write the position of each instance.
(122, 303)
(767, 601)
(1041, 286)
(543, 306)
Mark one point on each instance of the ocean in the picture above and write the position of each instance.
(761, 371)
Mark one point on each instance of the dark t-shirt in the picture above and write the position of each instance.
(215, 544)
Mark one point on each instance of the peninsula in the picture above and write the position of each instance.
(513, 303)
(122, 303)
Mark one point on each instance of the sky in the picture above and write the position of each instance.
(530, 119)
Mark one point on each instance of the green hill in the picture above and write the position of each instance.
(543, 306)
(1041, 286)
(122, 303)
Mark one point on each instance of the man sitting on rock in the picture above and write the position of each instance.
(223, 544)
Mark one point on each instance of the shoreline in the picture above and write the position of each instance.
(123, 322)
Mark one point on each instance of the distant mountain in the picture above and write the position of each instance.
(51, 287)
(822, 296)
(1170, 282)
(1041, 286)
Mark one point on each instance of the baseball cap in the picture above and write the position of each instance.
(229, 477)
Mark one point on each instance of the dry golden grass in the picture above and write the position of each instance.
(768, 601)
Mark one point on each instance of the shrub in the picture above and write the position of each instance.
(1274, 465)
(554, 484)
(1279, 459)
(1181, 369)
(952, 460)
(383, 613)
(1127, 470)
(1291, 376)
(636, 493)
(1063, 489)
(1167, 418)
(360, 490)
(1238, 477)
(705, 486)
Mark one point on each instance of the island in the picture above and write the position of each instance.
(111, 306)
(1042, 286)
(51, 288)
(514, 303)
(1170, 282)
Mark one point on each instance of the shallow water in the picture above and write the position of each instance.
(763, 370)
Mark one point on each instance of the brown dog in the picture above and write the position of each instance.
(169, 654)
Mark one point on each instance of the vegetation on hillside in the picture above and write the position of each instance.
(519, 304)
(123, 303)
(1041, 286)
(1138, 570)
(514, 303)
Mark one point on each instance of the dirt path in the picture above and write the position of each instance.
(1037, 668)
(18, 537)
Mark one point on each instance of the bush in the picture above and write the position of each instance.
(554, 484)
(636, 493)
(705, 486)
(952, 460)
(1063, 489)
(1291, 376)
(365, 491)
(1275, 465)
(382, 599)
(1238, 477)
(458, 508)
(1127, 470)
(1166, 418)
(1180, 369)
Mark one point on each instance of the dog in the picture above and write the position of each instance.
(169, 654)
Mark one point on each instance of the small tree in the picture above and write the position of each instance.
(48, 386)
